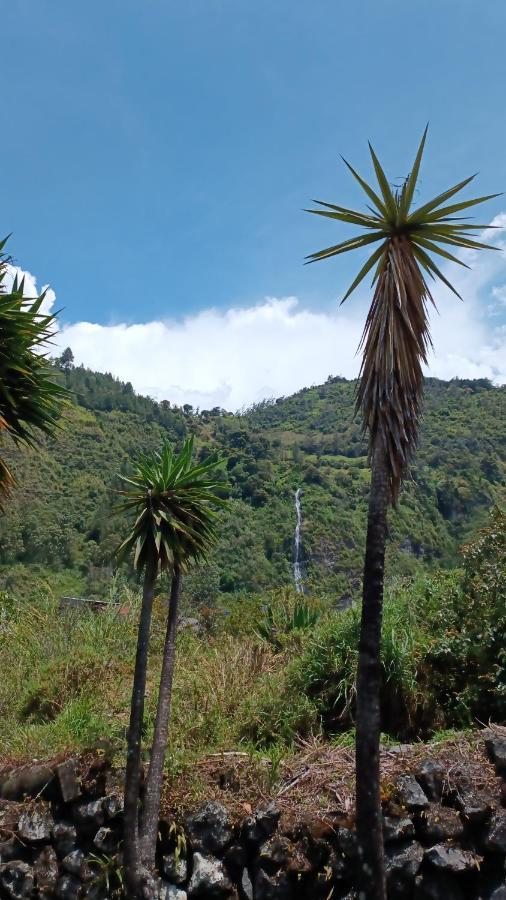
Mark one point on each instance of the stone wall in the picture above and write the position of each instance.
(62, 831)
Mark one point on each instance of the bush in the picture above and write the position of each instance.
(468, 653)
(320, 684)
(443, 655)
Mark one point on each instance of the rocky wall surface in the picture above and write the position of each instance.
(61, 836)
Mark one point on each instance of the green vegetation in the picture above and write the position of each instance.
(59, 526)
(30, 397)
(262, 667)
(67, 675)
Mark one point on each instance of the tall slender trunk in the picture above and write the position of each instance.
(132, 861)
(154, 780)
(369, 818)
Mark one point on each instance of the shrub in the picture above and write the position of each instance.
(443, 655)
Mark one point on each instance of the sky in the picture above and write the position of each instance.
(157, 158)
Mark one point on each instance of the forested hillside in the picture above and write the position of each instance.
(59, 525)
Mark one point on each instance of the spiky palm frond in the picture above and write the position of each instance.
(396, 336)
(30, 399)
(176, 505)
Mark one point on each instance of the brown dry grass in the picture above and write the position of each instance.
(318, 779)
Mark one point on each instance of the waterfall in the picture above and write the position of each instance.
(297, 569)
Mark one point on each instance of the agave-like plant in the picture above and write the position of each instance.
(175, 503)
(30, 398)
(395, 343)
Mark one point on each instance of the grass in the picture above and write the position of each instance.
(261, 677)
(68, 677)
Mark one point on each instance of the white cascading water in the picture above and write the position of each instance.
(297, 569)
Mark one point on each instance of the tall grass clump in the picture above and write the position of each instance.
(63, 676)
(318, 690)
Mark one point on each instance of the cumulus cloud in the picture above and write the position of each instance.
(235, 357)
(30, 290)
(225, 359)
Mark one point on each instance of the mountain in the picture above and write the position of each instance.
(59, 523)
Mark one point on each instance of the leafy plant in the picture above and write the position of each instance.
(108, 880)
(30, 397)
(285, 614)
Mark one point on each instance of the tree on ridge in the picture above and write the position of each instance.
(395, 343)
(175, 503)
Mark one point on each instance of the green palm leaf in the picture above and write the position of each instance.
(176, 503)
(388, 196)
(396, 336)
(31, 399)
(352, 244)
(409, 188)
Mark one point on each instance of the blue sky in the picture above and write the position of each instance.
(158, 155)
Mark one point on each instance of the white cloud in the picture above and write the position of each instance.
(219, 358)
(499, 294)
(236, 357)
(30, 290)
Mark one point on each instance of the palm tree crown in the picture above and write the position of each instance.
(30, 398)
(396, 336)
(176, 503)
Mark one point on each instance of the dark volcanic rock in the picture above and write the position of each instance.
(45, 869)
(397, 829)
(16, 879)
(72, 863)
(150, 888)
(175, 867)
(171, 892)
(437, 886)
(105, 840)
(9, 850)
(431, 776)
(210, 880)
(235, 857)
(475, 805)
(439, 823)
(209, 830)
(89, 816)
(32, 781)
(65, 837)
(496, 836)
(36, 825)
(496, 747)
(347, 843)
(411, 794)
(402, 864)
(246, 887)
(272, 887)
(156, 889)
(113, 806)
(452, 860)
(70, 785)
(499, 893)
(261, 826)
(267, 819)
(277, 853)
(68, 888)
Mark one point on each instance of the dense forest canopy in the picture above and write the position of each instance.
(59, 523)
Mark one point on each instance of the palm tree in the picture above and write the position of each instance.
(30, 399)
(175, 502)
(395, 343)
